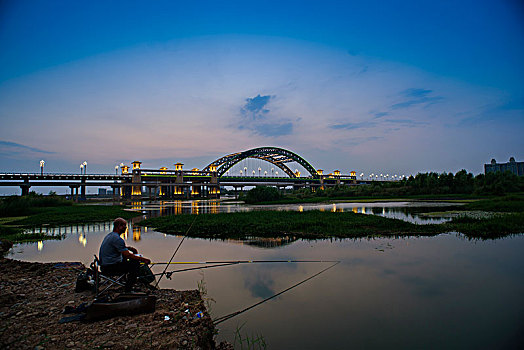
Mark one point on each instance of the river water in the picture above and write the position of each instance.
(419, 292)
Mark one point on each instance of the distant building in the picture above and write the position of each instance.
(516, 168)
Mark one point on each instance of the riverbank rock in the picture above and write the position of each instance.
(5, 246)
(33, 296)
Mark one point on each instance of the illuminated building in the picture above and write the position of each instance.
(516, 168)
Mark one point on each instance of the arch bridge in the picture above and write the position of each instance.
(274, 155)
(180, 183)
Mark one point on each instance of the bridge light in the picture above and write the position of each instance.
(81, 169)
(259, 170)
(265, 172)
(85, 166)
(42, 167)
(253, 173)
(116, 169)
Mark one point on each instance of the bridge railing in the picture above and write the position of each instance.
(176, 172)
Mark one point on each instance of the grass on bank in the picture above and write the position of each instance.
(452, 198)
(77, 214)
(317, 224)
(511, 203)
(19, 213)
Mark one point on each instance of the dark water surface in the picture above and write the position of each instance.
(429, 292)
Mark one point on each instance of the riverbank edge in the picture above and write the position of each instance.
(33, 296)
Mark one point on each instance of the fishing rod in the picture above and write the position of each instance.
(240, 262)
(176, 250)
(236, 313)
(233, 262)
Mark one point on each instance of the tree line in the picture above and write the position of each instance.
(435, 184)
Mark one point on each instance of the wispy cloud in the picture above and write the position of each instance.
(12, 149)
(406, 122)
(416, 96)
(353, 126)
(381, 114)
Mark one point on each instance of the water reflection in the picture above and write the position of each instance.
(395, 287)
(407, 211)
(262, 242)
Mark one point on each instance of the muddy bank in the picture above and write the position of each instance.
(33, 296)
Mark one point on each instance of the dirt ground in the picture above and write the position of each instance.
(34, 295)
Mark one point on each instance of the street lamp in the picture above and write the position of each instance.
(253, 173)
(240, 172)
(265, 172)
(245, 170)
(272, 169)
(81, 169)
(42, 167)
(116, 169)
(276, 173)
(85, 166)
(259, 170)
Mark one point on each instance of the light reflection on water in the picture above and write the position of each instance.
(407, 211)
(429, 292)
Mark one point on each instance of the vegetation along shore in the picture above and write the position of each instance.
(36, 210)
(499, 197)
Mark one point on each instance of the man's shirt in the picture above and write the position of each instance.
(111, 249)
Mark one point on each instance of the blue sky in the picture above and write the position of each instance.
(370, 86)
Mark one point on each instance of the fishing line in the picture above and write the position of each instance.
(176, 250)
(236, 313)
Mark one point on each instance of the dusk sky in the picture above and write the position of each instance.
(372, 86)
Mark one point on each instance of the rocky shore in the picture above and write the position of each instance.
(34, 295)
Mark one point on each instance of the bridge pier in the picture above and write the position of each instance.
(74, 193)
(116, 192)
(25, 189)
(83, 190)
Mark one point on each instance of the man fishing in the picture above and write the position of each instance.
(116, 258)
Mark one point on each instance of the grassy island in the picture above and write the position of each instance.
(317, 224)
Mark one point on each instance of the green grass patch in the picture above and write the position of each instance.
(454, 198)
(317, 224)
(491, 227)
(27, 205)
(308, 224)
(512, 203)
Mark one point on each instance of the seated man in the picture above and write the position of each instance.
(116, 258)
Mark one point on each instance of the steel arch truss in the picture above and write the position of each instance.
(276, 156)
